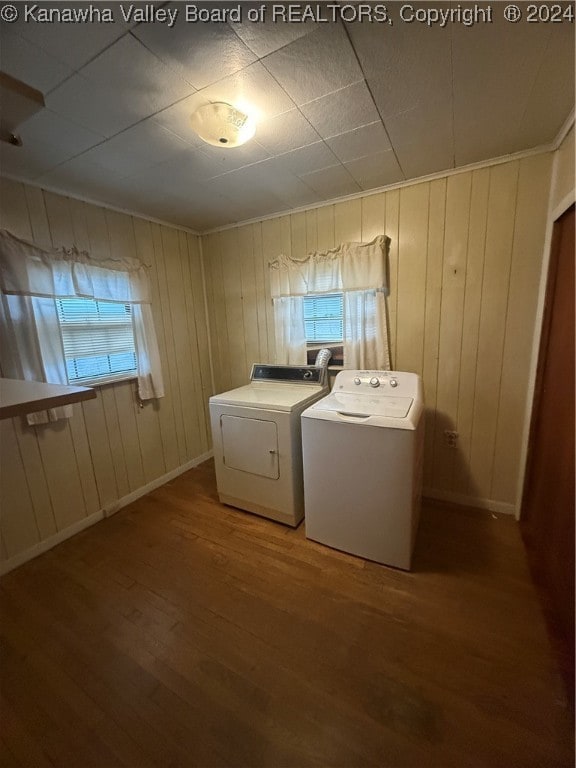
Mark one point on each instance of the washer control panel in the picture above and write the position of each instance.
(378, 382)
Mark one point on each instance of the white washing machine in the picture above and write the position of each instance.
(362, 451)
(256, 432)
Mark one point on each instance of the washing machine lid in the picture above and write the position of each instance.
(348, 404)
(275, 397)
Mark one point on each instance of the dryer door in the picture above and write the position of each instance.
(250, 445)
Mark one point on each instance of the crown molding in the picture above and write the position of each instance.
(542, 149)
(564, 131)
(551, 147)
(100, 204)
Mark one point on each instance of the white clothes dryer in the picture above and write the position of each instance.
(362, 451)
(256, 432)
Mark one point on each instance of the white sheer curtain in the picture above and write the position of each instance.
(365, 330)
(358, 270)
(30, 279)
(289, 329)
(32, 347)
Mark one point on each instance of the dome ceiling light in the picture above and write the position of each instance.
(223, 125)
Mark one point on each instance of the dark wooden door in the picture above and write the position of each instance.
(547, 521)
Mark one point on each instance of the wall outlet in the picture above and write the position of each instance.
(450, 438)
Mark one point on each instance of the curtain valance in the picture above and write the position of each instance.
(27, 270)
(31, 278)
(349, 267)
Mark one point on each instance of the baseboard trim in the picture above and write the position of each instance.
(96, 517)
(50, 542)
(112, 508)
(490, 505)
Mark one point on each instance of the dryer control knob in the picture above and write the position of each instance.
(374, 382)
(393, 383)
(357, 380)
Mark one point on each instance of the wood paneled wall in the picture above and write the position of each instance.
(54, 476)
(464, 269)
(465, 264)
(563, 183)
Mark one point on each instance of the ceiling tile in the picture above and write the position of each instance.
(72, 43)
(253, 198)
(246, 193)
(403, 64)
(482, 138)
(139, 147)
(331, 182)
(316, 64)
(341, 110)
(424, 158)
(146, 85)
(376, 170)
(242, 182)
(29, 63)
(313, 157)
(495, 84)
(201, 53)
(90, 105)
(47, 141)
(26, 164)
(285, 132)
(296, 193)
(271, 34)
(252, 89)
(140, 89)
(429, 121)
(552, 97)
(201, 216)
(261, 182)
(179, 175)
(360, 142)
(187, 208)
(241, 210)
(57, 138)
(75, 172)
(236, 157)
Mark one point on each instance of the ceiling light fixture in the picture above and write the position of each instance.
(223, 125)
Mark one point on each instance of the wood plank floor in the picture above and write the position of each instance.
(184, 633)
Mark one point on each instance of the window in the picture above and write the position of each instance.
(324, 318)
(98, 340)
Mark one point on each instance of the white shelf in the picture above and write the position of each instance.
(20, 397)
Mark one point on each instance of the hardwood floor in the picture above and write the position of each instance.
(183, 633)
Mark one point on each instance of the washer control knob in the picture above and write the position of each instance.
(374, 382)
(357, 380)
(393, 383)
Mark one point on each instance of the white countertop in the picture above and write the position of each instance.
(19, 397)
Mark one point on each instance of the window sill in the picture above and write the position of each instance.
(103, 382)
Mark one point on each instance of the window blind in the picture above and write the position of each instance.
(98, 339)
(324, 317)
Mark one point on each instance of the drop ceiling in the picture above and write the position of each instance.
(341, 107)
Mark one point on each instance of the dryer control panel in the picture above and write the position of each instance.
(384, 383)
(289, 374)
